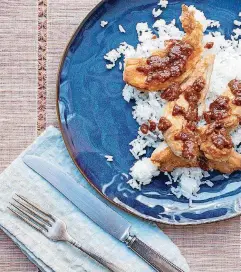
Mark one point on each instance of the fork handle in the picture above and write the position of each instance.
(91, 252)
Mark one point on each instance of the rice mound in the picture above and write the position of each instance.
(149, 106)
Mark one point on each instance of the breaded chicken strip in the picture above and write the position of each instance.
(173, 64)
(167, 161)
(216, 142)
(216, 147)
(179, 121)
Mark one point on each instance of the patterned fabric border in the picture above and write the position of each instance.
(42, 52)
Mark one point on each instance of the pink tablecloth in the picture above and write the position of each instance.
(33, 36)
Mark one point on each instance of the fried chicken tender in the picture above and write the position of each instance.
(204, 70)
(167, 161)
(193, 38)
(229, 123)
(226, 159)
(233, 163)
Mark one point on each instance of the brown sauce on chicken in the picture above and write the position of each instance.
(191, 126)
(192, 113)
(237, 101)
(172, 93)
(152, 125)
(221, 139)
(172, 65)
(218, 110)
(219, 135)
(193, 94)
(144, 128)
(164, 124)
(209, 45)
(235, 87)
(178, 110)
(214, 126)
(189, 144)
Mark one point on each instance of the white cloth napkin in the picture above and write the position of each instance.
(59, 257)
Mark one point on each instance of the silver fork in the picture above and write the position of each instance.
(52, 227)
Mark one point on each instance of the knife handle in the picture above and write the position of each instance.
(153, 258)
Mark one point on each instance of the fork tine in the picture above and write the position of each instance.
(36, 207)
(34, 212)
(26, 220)
(28, 216)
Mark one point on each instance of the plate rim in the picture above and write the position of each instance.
(130, 211)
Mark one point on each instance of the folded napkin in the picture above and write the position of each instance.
(60, 256)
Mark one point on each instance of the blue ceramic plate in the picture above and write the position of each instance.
(96, 121)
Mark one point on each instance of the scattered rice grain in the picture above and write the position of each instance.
(120, 65)
(237, 23)
(156, 12)
(121, 28)
(104, 23)
(163, 3)
(109, 158)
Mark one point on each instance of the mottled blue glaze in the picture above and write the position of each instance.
(96, 121)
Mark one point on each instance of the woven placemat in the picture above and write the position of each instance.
(18, 91)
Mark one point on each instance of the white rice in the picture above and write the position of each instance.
(121, 28)
(143, 171)
(116, 54)
(149, 106)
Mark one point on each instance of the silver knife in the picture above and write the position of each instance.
(98, 212)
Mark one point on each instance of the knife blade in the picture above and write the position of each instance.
(98, 212)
